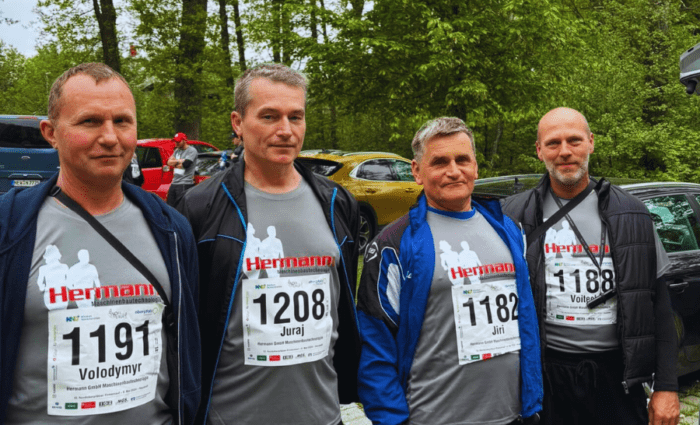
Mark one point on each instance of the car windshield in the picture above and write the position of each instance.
(321, 166)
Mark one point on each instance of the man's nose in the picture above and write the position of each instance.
(284, 128)
(452, 169)
(565, 149)
(109, 133)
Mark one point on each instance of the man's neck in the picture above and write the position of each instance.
(277, 178)
(96, 200)
(569, 191)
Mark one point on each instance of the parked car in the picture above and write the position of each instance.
(153, 156)
(26, 159)
(675, 209)
(381, 182)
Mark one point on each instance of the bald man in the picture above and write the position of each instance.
(596, 355)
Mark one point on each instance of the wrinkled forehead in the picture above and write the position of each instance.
(560, 125)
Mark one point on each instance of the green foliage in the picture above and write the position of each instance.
(378, 70)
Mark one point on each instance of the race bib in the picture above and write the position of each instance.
(103, 359)
(571, 284)
(486, 319)
(179, 171)
(286, 320)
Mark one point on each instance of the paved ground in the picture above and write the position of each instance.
(353, 415)
(690, 401)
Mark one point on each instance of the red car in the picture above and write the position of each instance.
(153, 155)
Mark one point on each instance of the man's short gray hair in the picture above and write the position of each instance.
(274, 72)
(443, 126)
(96, 70)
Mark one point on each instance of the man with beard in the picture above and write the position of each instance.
(606, 324)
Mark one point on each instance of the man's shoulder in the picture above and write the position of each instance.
(623, 200)
(515, 205)
(392, 234)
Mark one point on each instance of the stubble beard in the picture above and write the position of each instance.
(567, 179)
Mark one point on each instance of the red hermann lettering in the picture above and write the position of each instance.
(304, 262)
(126, 291)
(265, 264)
(104, 291)
(290, 262)
(250, 266)
(63, 295)
(327, 260)
(75, 295)
(142, 289)
(499, 268)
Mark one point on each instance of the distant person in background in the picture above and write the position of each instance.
(133, 174)
(183, 161)
(238, 147)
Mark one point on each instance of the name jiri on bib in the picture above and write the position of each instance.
(486, 319)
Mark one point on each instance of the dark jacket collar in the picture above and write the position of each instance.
(19, 208)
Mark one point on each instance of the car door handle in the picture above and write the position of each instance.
(371, 190)
(409, 190)
(679, 287)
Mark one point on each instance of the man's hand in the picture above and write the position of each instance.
(664, 408)
(174, 163)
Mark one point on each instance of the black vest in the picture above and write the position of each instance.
(633, 249)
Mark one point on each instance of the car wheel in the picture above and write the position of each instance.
(366, 230)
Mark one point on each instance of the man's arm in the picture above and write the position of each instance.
(380, 389)
(664, 407)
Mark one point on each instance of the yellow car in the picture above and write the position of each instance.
(381, 182)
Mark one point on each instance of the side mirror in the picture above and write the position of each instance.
(690, 69)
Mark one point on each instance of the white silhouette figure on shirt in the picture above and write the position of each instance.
(271, 248)
(83, 275)
(53, 276)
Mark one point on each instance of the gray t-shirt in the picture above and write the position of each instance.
(81, 287)
(185, 175)
(280, 369)
(468, 253)
(573, 279)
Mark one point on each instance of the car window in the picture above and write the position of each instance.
(675, 221)
(322, 167)
(403, 171)
(207, 166)
(19, 136)
(203, 148)
(149, 157)
(375, 169)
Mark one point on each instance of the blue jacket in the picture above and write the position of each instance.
(390, 338)
(19, 211)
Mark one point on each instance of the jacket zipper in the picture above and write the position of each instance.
(179, 307)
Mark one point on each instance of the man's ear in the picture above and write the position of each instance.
(539, 150)
(48, 130)
(415, 169)
(236, 121)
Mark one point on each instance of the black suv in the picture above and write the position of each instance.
(26, 158)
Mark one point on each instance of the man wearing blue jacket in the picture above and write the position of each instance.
(90, 335)
(446, 312)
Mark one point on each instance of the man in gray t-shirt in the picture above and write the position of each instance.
(279, 334)
(604, 308)
(446, 311)
(183, 161)
(91, 335)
